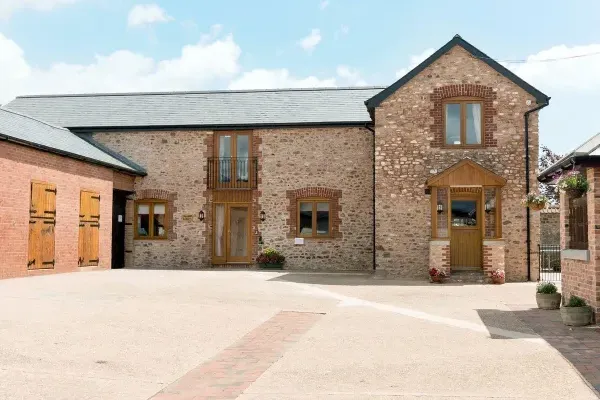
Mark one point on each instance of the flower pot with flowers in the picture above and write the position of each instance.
(437, 275)
(535, 202)
(498, 276)
(574, 184)
(270, 259)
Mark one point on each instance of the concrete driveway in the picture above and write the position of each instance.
(161, 335)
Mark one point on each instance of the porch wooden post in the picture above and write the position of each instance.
(449, 210)
(482, 212)
(498, 212)
(434, 212)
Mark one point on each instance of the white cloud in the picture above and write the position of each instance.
(281, 78)
(210, 63)
(575, 74)
(342, 31)
(147, 14)
(8, 7)
(323, 4)
(311, 41)
(277, 78)
(350, 76)
(415, 60)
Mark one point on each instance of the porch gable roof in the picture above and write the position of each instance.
(466, 173)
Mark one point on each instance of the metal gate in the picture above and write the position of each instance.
(549, 262)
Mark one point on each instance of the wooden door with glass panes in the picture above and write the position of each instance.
(232, 233)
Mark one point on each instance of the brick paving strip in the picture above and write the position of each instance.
(234, 369)
(579, 345)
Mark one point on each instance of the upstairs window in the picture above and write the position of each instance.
(463, 122)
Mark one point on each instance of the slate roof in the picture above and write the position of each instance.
(377, 99)
(22, 129)
(586, 152)
(213, 109)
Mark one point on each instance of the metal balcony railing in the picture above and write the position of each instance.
(233, 173)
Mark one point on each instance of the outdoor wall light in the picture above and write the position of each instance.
(440, 208)
(201, 215)
(263, 216)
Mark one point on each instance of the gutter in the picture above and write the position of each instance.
(69, 155)
(367, 127)
(527, 184)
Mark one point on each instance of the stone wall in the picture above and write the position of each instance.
(337, 160)
(550, 226)
(439, 255)
(176, 165)
(407, 154)
(580, 269)
(493, 256)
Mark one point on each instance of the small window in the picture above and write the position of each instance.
(150, 220)
(314, 218)
(463, 122)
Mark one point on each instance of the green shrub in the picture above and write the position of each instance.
(546, 288)
(575, 301)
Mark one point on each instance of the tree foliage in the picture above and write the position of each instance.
(547, 159)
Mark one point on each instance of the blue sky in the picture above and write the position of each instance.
(58, 46)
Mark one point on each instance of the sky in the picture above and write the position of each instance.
(82, 46)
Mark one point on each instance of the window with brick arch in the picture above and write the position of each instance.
(463, 121)
(150, 219)
(314, 218)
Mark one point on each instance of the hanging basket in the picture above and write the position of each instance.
(537, 206)
(574, 193)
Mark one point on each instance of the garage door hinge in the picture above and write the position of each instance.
(51, 190)
(48, 263)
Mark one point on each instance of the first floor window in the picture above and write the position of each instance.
(314, 218)
(150, 220)
(463, 122)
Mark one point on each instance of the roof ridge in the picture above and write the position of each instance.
(308, 89)
(34, 119)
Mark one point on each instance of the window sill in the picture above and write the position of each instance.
(570, 254)
(149, 238)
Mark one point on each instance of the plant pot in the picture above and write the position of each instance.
(576, 316)
(574, 193)
(438, 279)
(547, 301)
(536, 206)
(270, 266)
(498, 281)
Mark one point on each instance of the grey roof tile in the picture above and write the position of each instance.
(30, 131)
(212, 109)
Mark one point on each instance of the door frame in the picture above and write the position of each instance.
(233, 157)
(479, 227)
(118, 233)
(226, 259)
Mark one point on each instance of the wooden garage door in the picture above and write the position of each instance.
(42, 220)
(89, 228)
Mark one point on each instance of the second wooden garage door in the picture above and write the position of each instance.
(89, 228)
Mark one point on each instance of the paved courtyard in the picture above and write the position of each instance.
(161, 335)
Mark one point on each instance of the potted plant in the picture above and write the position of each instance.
(535, 202)
(498, 276)
(576, 312)
(437, 275)
(270, 259)
(547, 296)
(574, 184)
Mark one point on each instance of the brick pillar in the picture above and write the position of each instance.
(439, 254)
(493, 257)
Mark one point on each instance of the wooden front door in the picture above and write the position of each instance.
(465, 235)
(89, 228)
(232, 233)
(42, 220)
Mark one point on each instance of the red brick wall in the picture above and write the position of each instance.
(18, 166)
(582, 278)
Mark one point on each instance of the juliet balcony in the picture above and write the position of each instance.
(233, 173)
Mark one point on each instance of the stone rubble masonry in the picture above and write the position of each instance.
(338, 159)
(439, 255)
(493, 256)
(176, 167)
(579, 277)
(19, 165)
(550, 226)
(407, 154)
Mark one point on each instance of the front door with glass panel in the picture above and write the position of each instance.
(465, 238)
(232, 233)
(234, 159)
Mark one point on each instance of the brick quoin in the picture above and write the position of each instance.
(19, 165)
